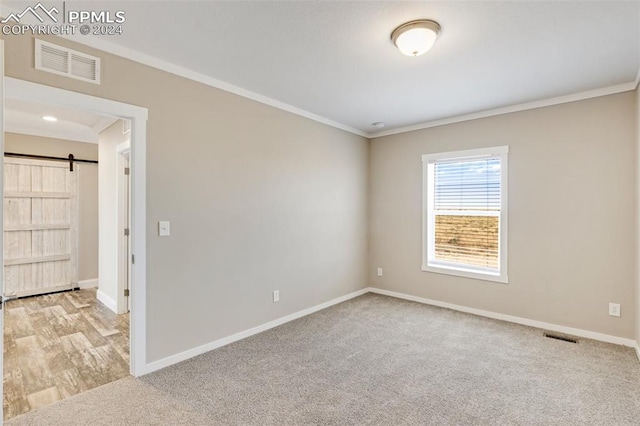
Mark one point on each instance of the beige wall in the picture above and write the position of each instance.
(258, 199)
(87, 191)
(571, 213)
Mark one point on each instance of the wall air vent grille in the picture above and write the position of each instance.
(54, 59)
(64, 61)
(83, 67)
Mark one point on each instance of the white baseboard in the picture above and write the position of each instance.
(182, 356)
(92, 283)
(518, 320)
(107, 301)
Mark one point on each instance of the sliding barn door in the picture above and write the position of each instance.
(40, 227)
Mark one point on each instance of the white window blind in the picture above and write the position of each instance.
(465, 224)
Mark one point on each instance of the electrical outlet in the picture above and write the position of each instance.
(379, 272)
(276, 296)
(614, 309)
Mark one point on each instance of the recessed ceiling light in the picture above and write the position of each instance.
(378, 124)
(416, 37)
(49, 118)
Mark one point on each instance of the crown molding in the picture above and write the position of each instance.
(133, 55)
(180, 71)
(625, 87)
(151, 61)
(157, 63)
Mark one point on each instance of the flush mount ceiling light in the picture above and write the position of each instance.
(416, 37)
(378, 124)
(49, 118)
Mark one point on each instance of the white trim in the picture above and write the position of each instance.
(138, 240)
(637, 348)
(106, 300)
(467, 154)
(174, 359)
(160, 64)
(637, 82)
(428, 215)
(182, 356)
(2, 96)
(123, 266)
(28, 91)
(510, 318)
(92, 283)
(126, 127)
(465, 273)
(611, 90)
(142, 58)
(133, 55)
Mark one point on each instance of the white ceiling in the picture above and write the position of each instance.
(335, 58)
(26, 117)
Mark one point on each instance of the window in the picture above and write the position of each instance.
(465, 213)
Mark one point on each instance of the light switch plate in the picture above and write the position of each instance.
(164, 228)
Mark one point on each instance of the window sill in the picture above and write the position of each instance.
(460, 272)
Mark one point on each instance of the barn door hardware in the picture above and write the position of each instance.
(71, 158)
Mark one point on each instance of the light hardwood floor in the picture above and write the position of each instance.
(59, 345)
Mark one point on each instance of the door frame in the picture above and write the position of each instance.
(2, 308)
(24, 90)
(124, 202)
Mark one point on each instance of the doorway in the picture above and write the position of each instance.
(60, 339)
(136, 276)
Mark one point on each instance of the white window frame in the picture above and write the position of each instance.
(429, 264)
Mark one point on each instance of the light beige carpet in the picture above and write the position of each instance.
(376, 360)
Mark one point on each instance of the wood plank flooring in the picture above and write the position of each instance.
(59, 345)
